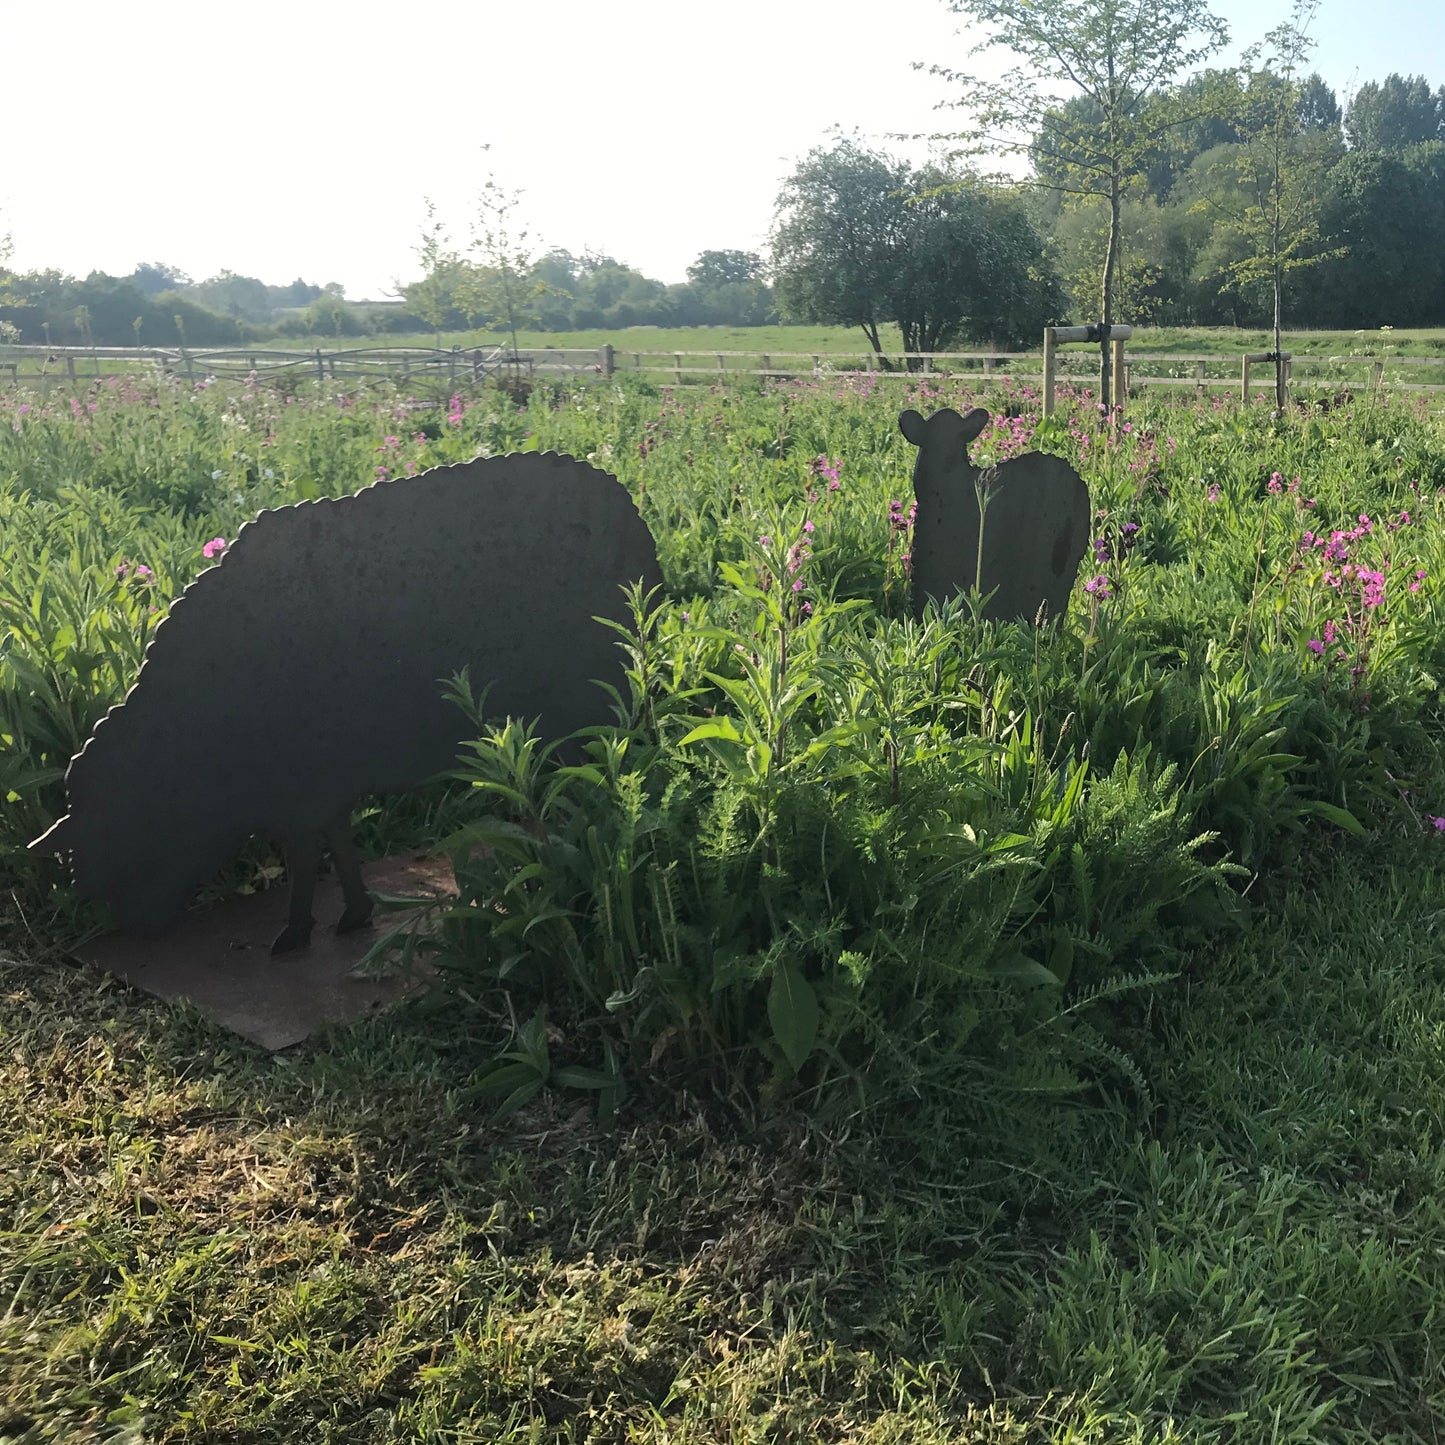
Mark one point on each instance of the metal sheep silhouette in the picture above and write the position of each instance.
(305, 671)
(1035, 521)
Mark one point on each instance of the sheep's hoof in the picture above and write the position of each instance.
(292, 937)
(354, 919)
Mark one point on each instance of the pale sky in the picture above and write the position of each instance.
(300, 138)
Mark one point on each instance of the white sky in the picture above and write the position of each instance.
(299, 138)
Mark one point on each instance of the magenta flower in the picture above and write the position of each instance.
(1099, 587)
(214, 548)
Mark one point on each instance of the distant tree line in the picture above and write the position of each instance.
(558, 291)
(159, 305)
(1234, 183)
(1369, 212)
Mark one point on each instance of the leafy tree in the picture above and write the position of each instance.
(298, 293)
(725, 268)
(1386, 217)
(150, 278)
(1270, 201)
(500, 286)
(1080, 243)
(835, 241)
(724, 288)
(861, 240)
(1394, 113)
(228, 294)
(330, 313)
(434, 296)
(1121, 55)
(1318, 107)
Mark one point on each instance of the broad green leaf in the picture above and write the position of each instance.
(793, 1013)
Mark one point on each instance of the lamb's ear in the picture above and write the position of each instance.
(913, 427)
(974, 423)
(52, 842)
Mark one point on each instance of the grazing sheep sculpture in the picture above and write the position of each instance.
(1035, 523)
(306, 670)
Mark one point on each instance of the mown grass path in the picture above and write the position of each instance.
(202, 1242)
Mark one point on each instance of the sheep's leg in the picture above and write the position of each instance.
(348, 868)
(303, 858)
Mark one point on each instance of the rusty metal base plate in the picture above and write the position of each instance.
(219, 959)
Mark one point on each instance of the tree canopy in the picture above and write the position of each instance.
(861, 239)
(1117, 61)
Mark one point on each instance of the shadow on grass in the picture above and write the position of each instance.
(337, 1233)
(203, 1241)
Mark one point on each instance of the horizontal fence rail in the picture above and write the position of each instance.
(49, 366)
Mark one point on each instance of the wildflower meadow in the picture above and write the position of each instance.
(890, 1028)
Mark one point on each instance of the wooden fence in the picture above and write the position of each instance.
(45, 367)
(39, 365)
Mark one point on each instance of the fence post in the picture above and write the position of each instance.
(816, 368)
(1121, 377)
(1379, 370)
(609, 358)
(719, 366)
(637, 361)
(1244, 380)
(320, 365)
(1048, 371)
(451, 366)
(190, 366)
(70, 367)
(677, 367)
(767, 363)
(988, 366)
(1199, 385)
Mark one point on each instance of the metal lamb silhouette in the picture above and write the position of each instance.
(306, 670)
(1035, 528)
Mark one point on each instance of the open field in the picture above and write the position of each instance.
(848, 341)
(1116, 1114)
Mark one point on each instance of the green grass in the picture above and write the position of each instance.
(850, 341)
(1229, 1230)
(1330, 357)
(206, 1243)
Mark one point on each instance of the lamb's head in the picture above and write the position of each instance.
(944, 436)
